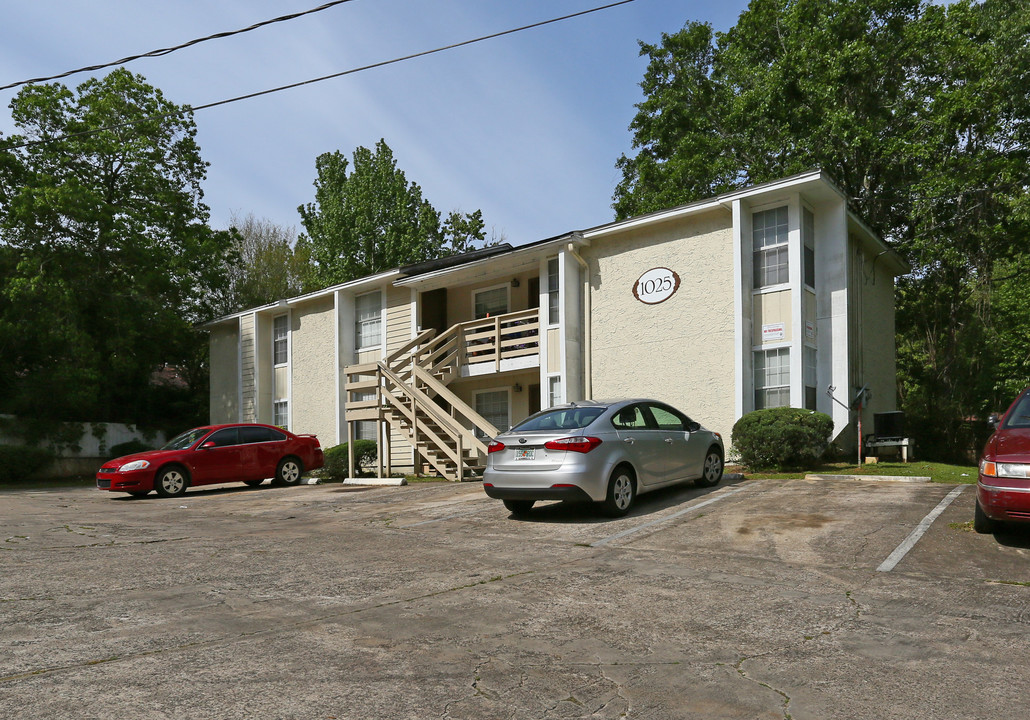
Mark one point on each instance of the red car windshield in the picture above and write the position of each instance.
(184, 440)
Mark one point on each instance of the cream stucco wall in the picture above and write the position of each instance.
(225, 373)
(682, 350)
(877, 362)
(312, 369)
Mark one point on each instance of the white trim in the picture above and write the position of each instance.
(742, 330)
(337, 368)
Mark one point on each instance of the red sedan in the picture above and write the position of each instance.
(1003, 485)
(214, 454)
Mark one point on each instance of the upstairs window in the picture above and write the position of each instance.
(491, 303)
(368, 312)
(280, 340)
(808, 240)
(553, 314)
(769, 238)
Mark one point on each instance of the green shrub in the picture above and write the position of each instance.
(128, 447)
(18, 462)
(782, 438)
(336, 465)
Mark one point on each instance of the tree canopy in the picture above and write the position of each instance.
(920, 113)
(367, 218)
(107, 255)
(272, 264)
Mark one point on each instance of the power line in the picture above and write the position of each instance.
(192, 108)
(168, 50)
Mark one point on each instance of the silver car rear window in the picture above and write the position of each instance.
(560, 419)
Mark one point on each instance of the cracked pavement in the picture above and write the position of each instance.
(430, 601)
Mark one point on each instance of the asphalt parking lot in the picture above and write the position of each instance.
(756, 599)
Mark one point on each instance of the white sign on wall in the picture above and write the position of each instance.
(773, 332)
(809, 329)
(656, 285)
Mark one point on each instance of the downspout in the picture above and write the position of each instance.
(588, 384)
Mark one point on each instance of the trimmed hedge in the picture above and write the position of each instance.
(336, 467)
(129, 447)
(18, 462)
(782, 438)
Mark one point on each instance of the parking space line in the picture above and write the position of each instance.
(901, 550)
(684, 511)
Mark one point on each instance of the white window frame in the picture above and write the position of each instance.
(807, 243)
(507, 393)
(780, 246)
(285, 339)
(554, 292)
(555, 397)
(491, 288)
(765, 350)
(360, 324)
(285, 406)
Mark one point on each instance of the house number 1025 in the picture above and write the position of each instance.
(656, 285)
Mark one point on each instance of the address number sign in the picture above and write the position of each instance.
(656, 285)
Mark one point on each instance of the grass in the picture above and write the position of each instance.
(937, 472)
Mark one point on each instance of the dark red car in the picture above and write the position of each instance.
(1003, 485)
(214, 454)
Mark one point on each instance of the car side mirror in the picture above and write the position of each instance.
(693, 426)
(209, 444)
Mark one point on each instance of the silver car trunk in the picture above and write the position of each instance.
(526, 451)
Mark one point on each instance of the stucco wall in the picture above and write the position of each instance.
(682, 350)
(878, 364)
(225, 391)
(312, 366)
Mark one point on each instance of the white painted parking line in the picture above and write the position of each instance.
(684, 511)
(901, 550)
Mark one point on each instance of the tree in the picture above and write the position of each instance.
(919, 112)
(108, 255)
(271, 264)
(372, 219)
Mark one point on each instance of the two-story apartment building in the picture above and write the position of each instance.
(770, 295)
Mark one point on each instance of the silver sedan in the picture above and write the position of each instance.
(604, 452)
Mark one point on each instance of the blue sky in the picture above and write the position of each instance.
(527, 127)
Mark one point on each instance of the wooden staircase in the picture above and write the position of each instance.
(411, 394)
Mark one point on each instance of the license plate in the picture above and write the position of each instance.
(525, 453)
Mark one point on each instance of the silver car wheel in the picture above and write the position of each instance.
(288, 472)
(621, 492)
(171, 482)
(713, 469)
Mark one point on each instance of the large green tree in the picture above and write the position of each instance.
(272, 264)
(367, 218)
(920, 112)
(108, 257)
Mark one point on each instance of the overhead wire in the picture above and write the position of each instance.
(193, 108)
(168, 50)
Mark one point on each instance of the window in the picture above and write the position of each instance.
(769, 236)
(666, 419)
(554, 391)
(561, 419)
(280, 413)
(258, 434)
(491, 303)
(280, 340)
(809, 374)
(493, 406)
(630, 418)
(368, 312)
(809, 241)
(223, 438)
(553, 314)
(365, 429)
(772, 378)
